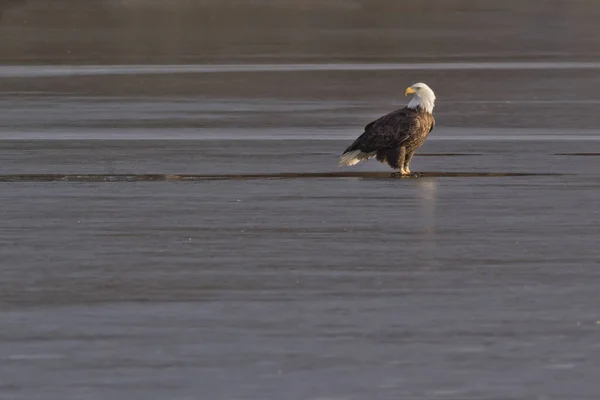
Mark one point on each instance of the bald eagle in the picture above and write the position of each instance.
(395, 137)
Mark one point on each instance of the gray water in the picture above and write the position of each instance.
(175, 226)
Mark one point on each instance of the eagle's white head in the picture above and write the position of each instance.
(423, 97)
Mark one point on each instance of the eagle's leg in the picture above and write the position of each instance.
(407, 159)
(402, 160)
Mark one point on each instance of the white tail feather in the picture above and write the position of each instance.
(354, 157)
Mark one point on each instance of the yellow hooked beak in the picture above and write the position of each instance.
(409, 90)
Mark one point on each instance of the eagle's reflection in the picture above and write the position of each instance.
(427, 194)
(427, 238)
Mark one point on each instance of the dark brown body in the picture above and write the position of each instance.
(395, 137)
